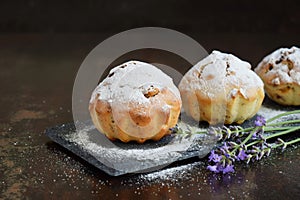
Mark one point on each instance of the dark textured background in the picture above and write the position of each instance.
(42, 45)
(182, 15)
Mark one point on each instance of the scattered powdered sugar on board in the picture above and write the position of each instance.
(269, 112)
(171, 174)
(134, 159)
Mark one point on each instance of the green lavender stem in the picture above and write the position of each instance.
(283, 114)
(271, 129)
(286, 143)
(284, 122)
(283, 132)
(246, 140)
(275, 135)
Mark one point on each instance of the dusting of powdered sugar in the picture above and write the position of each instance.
(173, 173)
(130, 160)
(128, 82)
(268, 113)
(281, 66)
(221, 73)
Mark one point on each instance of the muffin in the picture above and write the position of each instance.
(221, 88)
(280, 72)
(135, 102)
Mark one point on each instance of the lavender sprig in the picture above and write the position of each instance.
(252, 143)
(238, 144)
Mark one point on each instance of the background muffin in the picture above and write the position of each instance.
(280, 72)
(221, 88)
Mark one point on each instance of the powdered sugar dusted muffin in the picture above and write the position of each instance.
(135, 102)
(221, 88)
(280, 72)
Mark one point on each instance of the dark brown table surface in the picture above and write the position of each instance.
(36, 75)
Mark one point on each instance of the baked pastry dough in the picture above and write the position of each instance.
(221, 88)
(135, 102)
(280, 72)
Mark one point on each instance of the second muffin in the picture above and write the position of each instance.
(221, 88)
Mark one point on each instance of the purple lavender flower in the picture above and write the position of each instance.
(229, 168)
(260, 121)
(242, 155)
(254, 136)
(225, 147)
(220, 168)
(214, 157)
(213, 168)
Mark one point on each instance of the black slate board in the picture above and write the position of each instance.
(199, 146)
